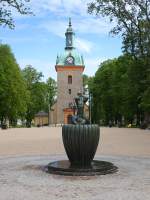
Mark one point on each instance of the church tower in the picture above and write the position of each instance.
(69, 68)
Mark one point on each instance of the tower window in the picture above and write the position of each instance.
(69, 79)
(69, 91)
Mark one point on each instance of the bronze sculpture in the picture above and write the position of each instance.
(80, 102)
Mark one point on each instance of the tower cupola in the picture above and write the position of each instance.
(69, 37)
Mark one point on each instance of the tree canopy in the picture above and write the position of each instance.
(41, 94)
(36, 90)
(118, 94)
(13, 94)
(22, 92)
(132, 19)
(51, 92)
(133, 22)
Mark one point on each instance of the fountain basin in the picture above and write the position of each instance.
(80, 142)
(64, 167)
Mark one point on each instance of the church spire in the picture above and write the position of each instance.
(70, 22)
(69, 37)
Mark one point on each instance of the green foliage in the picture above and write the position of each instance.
(22, 93)
(13, 93)
(51, 92)
(117, 91)
(41, 94)
(133, 22)
(145, 98)
(31, 75)
(85, 79)
(145, 102)
(8, 6)
(36, 90)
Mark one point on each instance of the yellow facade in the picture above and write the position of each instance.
(41, 119)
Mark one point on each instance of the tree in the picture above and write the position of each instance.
(51, 92)
(145, 100)
(116, 91)
(8, 6)
(132, 19)
(85, 79)
(41, 94)
(145, 103)
(13, 93)
(102, 92)
(133, 22)
(37, 92)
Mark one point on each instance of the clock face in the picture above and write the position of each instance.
(69, 60)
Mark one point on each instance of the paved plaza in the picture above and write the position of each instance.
(24, 153)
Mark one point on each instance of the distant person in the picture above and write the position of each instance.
(110, 123)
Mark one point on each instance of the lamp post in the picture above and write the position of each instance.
(90, 107)
(88, 93)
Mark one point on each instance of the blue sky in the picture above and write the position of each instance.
(37, 39)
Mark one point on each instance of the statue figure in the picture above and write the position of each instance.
(80, 118)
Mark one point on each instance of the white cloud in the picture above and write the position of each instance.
(83, 45)
(62, 7)
(42, 6)
(57, 27)
(83, 26)
(93, 25)
(57, 7)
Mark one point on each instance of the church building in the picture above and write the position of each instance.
(69, 68)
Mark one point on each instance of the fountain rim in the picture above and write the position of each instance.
(97, 168)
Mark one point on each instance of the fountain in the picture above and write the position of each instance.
(80, 141)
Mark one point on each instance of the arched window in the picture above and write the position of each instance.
(69, 79)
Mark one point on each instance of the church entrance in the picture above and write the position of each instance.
(68, 112)
(69, 119)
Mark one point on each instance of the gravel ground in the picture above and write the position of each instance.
(24, 178)
(25, 152)
(48, 140)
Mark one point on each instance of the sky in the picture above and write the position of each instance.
(36, 40)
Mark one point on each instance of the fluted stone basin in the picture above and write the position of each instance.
(80, 142)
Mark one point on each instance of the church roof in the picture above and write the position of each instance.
(78, 59)
(41, 114)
